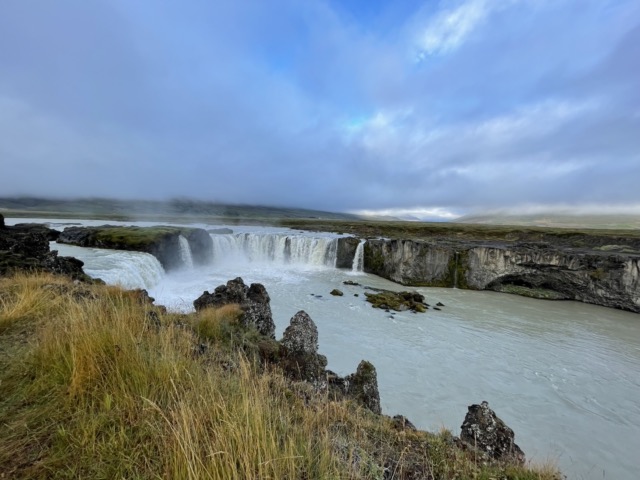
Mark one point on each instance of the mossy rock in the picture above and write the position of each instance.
(398, 301)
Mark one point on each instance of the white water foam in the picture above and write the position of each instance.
(275, 248)
(358, 258)
(116, 267)
(185, 252)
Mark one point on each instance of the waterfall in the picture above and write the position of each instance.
(185, 252)
(358, 258)
(116, 267)
(275, 248)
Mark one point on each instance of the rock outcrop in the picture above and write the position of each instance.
(299, 356)
(253, 300)
(490, 436)
(162, 242)
(363, 386)
(300, 360)
(531, 269)
(25, 247)
(347, 247)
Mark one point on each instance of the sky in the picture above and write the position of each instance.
(432, 108)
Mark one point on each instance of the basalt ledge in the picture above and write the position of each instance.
(531, 269)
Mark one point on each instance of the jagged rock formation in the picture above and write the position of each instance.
(363, 386)
(25, 247)
(162, 242)
(531, 269)
(490, 436)
(253, 300)
(300, 359)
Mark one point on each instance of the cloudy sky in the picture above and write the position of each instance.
(436, 107)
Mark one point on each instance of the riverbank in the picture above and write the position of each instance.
(109, 385)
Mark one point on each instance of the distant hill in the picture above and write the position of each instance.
(103, 208)
(557, 220)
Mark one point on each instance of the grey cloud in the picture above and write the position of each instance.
(275, 103)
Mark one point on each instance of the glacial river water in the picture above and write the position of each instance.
(564, 376)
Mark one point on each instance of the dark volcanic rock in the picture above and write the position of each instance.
(336, 293)
(363, 386)
(51, 234)
(1, 221)
(201, 245)
(300, 358)
(301, 336)
(594, 273)
(401, 422)
(483, 430)
(254, 302)
(26, 248)
(346, 251)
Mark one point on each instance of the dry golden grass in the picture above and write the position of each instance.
(92, 387)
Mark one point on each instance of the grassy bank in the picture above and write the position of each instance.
(97, 383)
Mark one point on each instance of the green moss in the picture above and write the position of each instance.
(398, 301)
(134, 238)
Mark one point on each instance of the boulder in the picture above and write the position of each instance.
(300, 358)
(254, 302)
(363, 386)
(484, 431)
(398, 301)
(336, 293)
(26, 248)
(400, 422)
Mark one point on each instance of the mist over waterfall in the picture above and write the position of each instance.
(358, 258)
(116, 267)
(185, 252)
(275, 248)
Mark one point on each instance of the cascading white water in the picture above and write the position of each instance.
(275, 248)
(116, 267)
(185, 252)
(358, 258)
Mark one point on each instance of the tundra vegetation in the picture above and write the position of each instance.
(97, 382)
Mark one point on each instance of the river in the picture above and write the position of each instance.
(564, 376)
